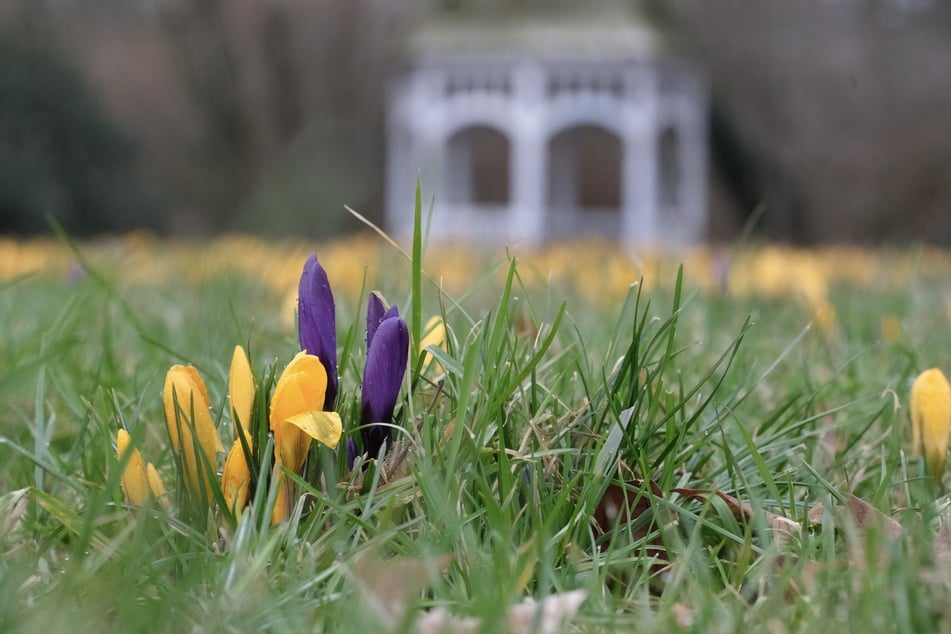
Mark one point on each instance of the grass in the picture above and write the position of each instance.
(552, 401)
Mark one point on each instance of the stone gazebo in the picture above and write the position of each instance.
(543, 131)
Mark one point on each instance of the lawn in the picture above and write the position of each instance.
(715, 440)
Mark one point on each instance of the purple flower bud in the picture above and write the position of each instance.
(316, 322)
(376, 313)
(382, 378)
(351, 452)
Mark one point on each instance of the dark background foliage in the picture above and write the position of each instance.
(828, 117)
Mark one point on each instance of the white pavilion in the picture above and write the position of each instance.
(546, 131)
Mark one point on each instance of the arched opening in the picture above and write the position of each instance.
(669, 171)
(477, 168)
(584, 182)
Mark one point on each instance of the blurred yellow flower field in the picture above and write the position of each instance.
(604, 269)
(601, 271)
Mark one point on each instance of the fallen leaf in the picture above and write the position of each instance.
(12, 508)
(942, 545)
(742, 511)
(389, 586)
(866, 515)
(547, 616)
(683, 615)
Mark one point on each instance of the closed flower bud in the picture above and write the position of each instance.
(236, 479)
(382, 378)
(316, 323)
(241, 393)
(135, 482)
(191, 428)
(931, 418)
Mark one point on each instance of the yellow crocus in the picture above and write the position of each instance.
(296, 418)
(931, 418)
(434, 334)
(296, 411)
(285, 497)
(241, 392)
(155, 483)
(135, 482)
(185, 395)
(236, 478)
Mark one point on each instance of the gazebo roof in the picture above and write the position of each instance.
(600, 37)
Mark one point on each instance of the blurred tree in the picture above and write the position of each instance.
(831, 115)
(243, 104)
(267, 115)
(59, 152)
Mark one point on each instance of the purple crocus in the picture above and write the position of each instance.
(387, 351)
(351, 452)
(376, 313)
(316, 323)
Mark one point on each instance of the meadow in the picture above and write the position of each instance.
(604, 440)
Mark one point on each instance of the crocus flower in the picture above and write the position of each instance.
(190, 427)
(434, 334)
(241, 393)
(931, 418)
(135, 482)
(316, 323)
(376, 313)
(139, 480)
(351, 452)
(297, 414)
(236, 478)
(387, 350)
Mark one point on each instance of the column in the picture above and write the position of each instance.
(693, 135)
(528, 161)
(639, 222)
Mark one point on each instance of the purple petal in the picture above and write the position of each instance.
(351, 452)
(316, 322)
(376, 308)
(382, 379)
(377, 312)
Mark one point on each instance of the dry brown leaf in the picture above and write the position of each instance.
(865, 515)
(814, 516)
(547, 616)
(625, 505)
(632, 507)
(441, 621)
(942, 545)
(742, 511)
(389, 586)
(12, 509)
(862, 514)
(683, 615)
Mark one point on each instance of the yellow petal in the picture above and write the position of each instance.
(299, 390)
(325, 427)
(135, 483)
(285, 497)
(184, 394)
(301, 387)
(435, 335)
(156, 486)
(931, 418)
(241, 392)
(236, 479)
